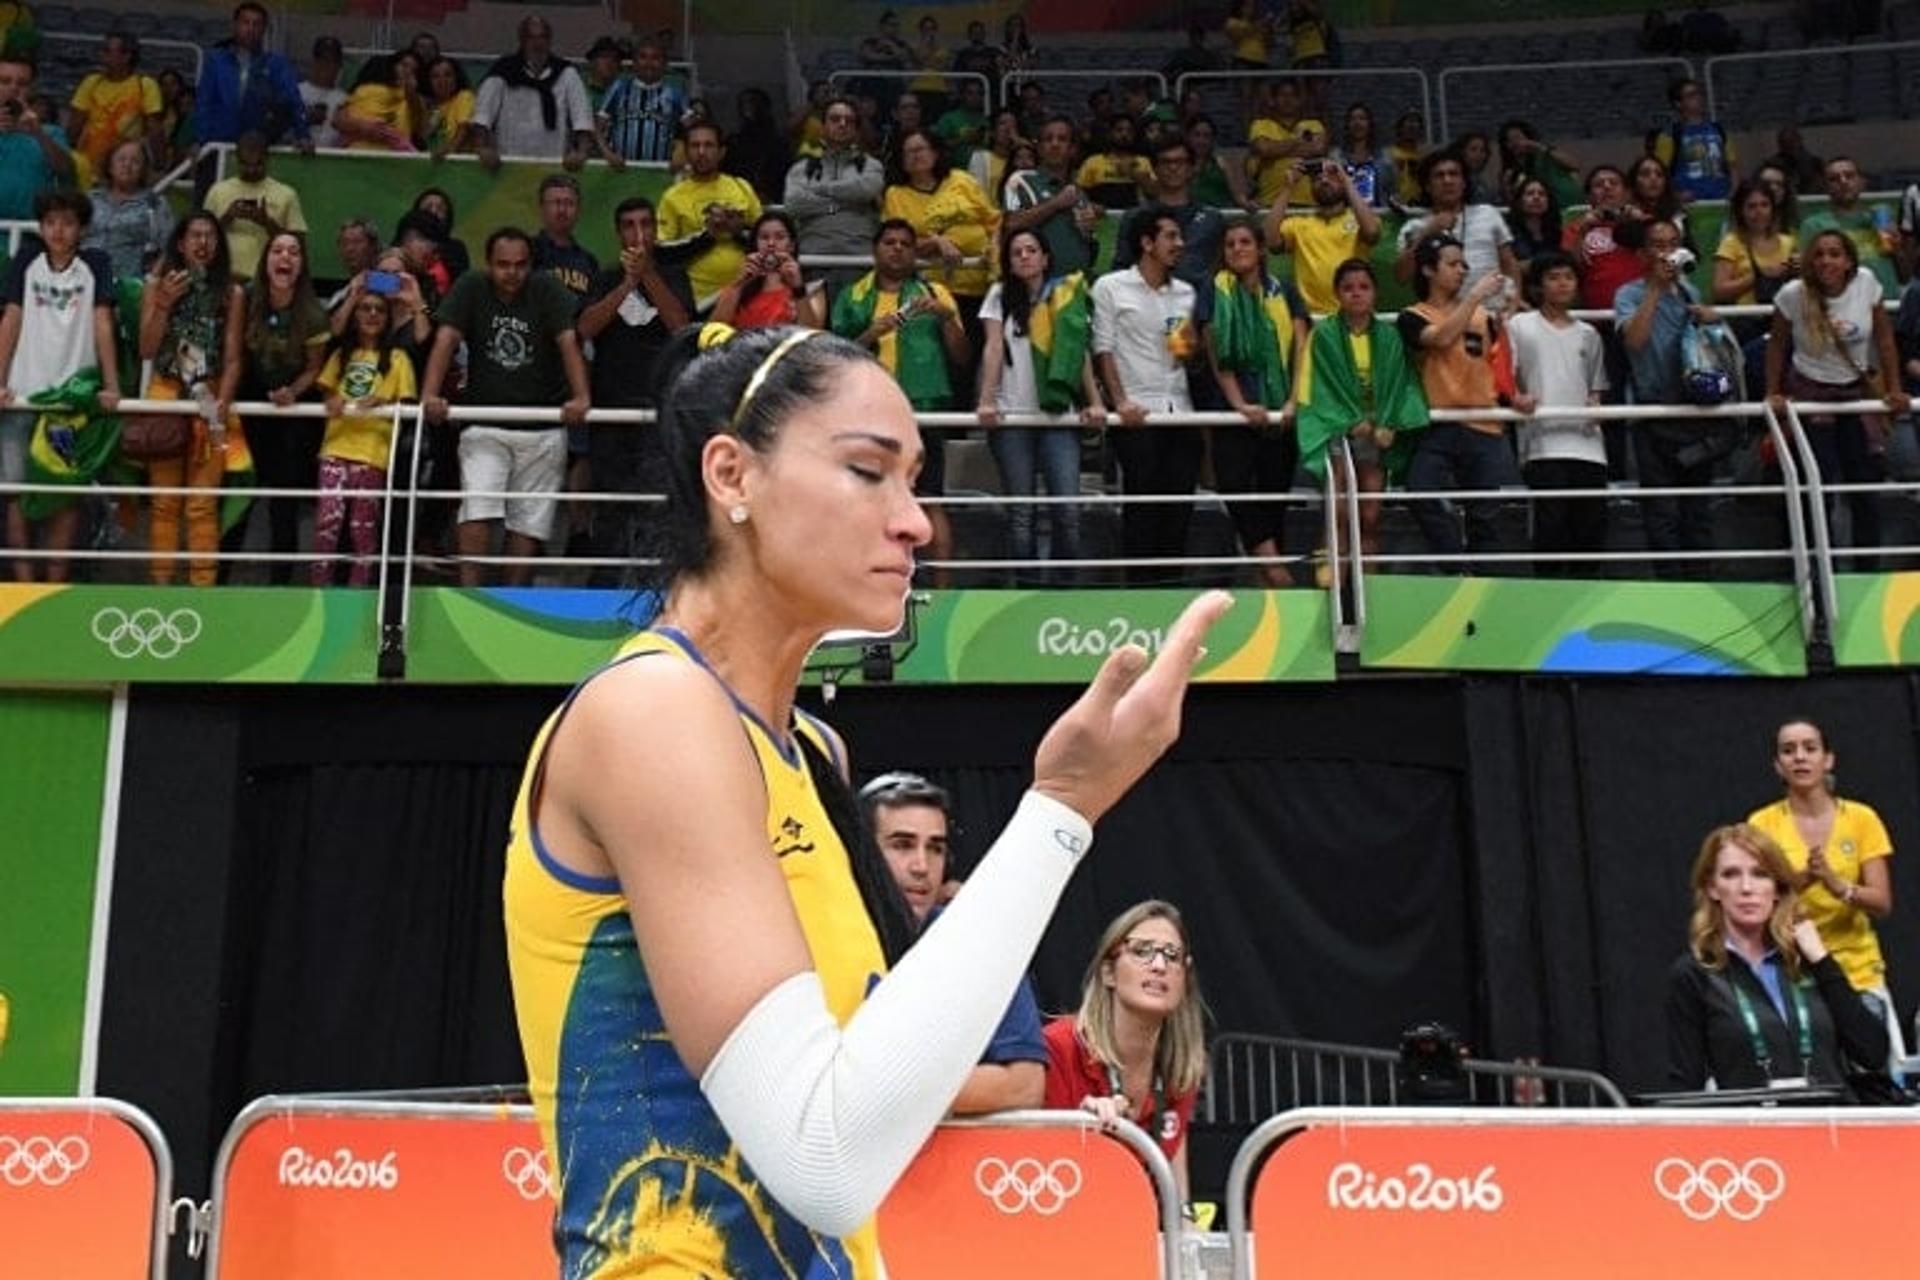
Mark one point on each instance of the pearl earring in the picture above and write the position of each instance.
(737, 513)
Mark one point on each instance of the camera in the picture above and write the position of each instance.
(1681, 260)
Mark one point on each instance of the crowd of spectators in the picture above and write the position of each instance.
(967, 243)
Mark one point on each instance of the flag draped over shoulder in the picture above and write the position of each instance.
(914, 355)
(73, 441)
(1254, 334)
(1333, 398)
(1058, 328)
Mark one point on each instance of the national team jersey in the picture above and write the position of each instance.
(648, 1181)
(641, 118)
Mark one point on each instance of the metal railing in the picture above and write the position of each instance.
(176, 50)
(1623, 70)
(1905, 55)
(838, 78)
(1112, 77)
(1385, 105)
(1809, 550)
(1251, 1078)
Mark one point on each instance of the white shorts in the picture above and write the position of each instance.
(528, 464)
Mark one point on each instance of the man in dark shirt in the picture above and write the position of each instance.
(631, 312)
(522, 352)
(558, 254)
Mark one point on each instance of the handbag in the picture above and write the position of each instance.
(148, 438)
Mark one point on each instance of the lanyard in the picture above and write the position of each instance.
(1158, 1097)
(1747, 1015)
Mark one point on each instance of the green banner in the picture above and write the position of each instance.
(102, 634)
(334, 188)
(53, 760)
(1567, 627)
(1879, 622)
(961, 637)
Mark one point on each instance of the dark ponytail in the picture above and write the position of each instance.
(886, 907)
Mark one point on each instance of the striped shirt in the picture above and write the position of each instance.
(641, 118)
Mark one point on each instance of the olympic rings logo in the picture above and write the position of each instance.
(1720, 1186)
(146, 631)
(528, 1173)
(25, 1161)
(1027, 1184)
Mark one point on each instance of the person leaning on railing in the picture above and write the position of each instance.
(770, 289)
(1757, 1001)
(1136, 1047)
(131, 221)
(1843, 349)
(192, 318)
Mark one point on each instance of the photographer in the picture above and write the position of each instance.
(1594, 240)
(252, 207)
(769, 291)
(1651, 314)
(33, 154)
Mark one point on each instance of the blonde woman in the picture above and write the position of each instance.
(1757, 1001)
(1136, 1048)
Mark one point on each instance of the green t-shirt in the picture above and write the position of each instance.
(962, 130)
(513, 349)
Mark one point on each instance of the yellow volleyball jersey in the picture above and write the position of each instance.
(648, 1181)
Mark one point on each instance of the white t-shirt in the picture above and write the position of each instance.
(1558, 365)
(56, 324)
(519, 126)
(1019, 392)
(312, 95)
(1481, 230)
(1851, 317)
(1149, 333)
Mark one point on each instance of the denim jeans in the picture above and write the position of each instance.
(1052, 454)
(1453, 456)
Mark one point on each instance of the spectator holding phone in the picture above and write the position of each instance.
(253, 207)
(33, 152)
(1278, 138)
(707, 202)
(770, 290)
(1486, 242)
(1341, 225)
(365, 374)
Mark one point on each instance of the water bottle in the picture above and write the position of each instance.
(209, 406)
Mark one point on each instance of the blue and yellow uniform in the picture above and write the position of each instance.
(649, 1183)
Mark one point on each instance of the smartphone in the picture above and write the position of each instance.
(384, 283)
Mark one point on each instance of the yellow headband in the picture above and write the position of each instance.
(760, 374)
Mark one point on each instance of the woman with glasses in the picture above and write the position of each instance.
(732, 1055)
(1136, 1049)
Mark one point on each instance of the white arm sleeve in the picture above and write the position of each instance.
(829, 1116)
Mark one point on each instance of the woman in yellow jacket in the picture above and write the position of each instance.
(956, 225)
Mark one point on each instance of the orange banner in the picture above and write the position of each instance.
(1711, 1196)
(78, 1195)
(1021, 1201)
(462, 1192)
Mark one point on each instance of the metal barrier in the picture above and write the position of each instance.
(1809, 554)
(1110, 76)
(1803, 102)
(839, 78)
(1251, 1078)
(85, 1189)
(1510, 1195)
(476, 64)
(1594, 88)
(182, 51)
(1386, 104)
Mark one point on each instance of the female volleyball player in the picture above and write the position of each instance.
(726, 1083)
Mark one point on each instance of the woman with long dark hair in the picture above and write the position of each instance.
(770, 290)
(449, 108)
(1651, 195)
(284, 345)
(1035, 360)
(384, 112)
(1534, 219)
(192, 317)
(697, 931)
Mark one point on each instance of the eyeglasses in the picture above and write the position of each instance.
(1145, 949)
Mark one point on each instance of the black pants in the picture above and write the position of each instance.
(1674, 457)
(1249, 460)
(286, 455)
(1452, 456)
(1840, 448)
(1567, 524)
(1156, 460)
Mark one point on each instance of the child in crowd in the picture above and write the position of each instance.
(365, 375)
(1559, 361)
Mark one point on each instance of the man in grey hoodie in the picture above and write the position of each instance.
(834, 197)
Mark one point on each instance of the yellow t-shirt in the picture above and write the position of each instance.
(1104, 169)
(116, 111)
(367, 439)
(649, 1181)
(380, 104)
(1269, 175)
(1361, 344)
(1406, 172)
(1733, 249)
(959, 210)
(1248, 38)
(445, 122)
(683, 213)
(247, 239)
(1858, 838)
(1319, 245)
